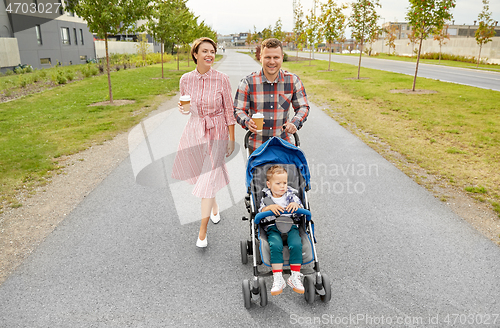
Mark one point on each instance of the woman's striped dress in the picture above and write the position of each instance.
(200, 158)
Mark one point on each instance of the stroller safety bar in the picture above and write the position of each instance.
(248, 134)
(262, 215)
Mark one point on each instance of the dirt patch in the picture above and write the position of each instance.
(411, 92)
(294, 58)
(119, 102)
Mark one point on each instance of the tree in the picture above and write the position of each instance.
(109, 17)
(441, 37)
(159, 25)
(267, 33)
(426, 17)
(363, 22)
(391, 37)
(278, 30)
(313, 32)
(142, 46)
(486, 29)
(332, 22)
(298, 29)
(413, 39)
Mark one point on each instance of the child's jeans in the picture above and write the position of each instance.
(276, 244)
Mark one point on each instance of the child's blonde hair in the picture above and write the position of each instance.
(275, 169)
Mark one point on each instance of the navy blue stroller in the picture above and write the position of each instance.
(279, 151)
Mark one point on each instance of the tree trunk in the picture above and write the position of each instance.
(107, 68)
(178, 59)
(297, 58)
(310, 56)
(162, 60)
(416, 68)
(329, 57)
(360, 53)
(440, 54)
(479, 57)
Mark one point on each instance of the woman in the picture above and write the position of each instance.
(204, 141)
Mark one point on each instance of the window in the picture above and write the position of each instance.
(76, 39)
(65, 35)
(44, 61)
(81, 37)
(83, 58)
(38, 34)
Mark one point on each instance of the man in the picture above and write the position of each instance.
(272, 92)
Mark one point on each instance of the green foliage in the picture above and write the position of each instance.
(285, 56)
(278, 30)
(9, 72)
(300, 36)
(486, 29)
(476, 190)
(363, 20)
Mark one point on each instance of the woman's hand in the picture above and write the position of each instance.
(230, 148)
(181, 109)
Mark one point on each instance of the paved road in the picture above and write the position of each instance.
(475, 78)
(126, 256)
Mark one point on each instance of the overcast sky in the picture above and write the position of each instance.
(235, 16)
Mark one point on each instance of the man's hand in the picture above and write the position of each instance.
(289, 128)
(252, 127)
(275, 208)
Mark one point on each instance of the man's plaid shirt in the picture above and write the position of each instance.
(273, 99)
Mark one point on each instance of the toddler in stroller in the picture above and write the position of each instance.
(278, 198)
(266, 214)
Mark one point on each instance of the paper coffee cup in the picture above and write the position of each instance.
(258, 118)
(186, 102)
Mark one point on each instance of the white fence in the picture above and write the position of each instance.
(118, 47)
(457, 46)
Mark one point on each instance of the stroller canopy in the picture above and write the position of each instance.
(277, 151)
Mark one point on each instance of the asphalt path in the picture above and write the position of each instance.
(126, 256)
(471, 77)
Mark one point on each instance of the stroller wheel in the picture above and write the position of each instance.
(247, 297)
(244, 253)
(327, 287)
(309, 290)
(262, 292)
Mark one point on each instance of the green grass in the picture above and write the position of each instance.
(37, 129)
(454, 133)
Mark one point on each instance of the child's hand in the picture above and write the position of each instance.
(292, 207)
(275, 208)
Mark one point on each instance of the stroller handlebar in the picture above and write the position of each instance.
(295, 135)
(262, 215)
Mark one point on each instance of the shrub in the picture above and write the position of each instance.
(23, 81)
(70, 76)
(9, 72)
(18, 70)
(285, 57)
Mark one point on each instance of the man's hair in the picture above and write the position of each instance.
(275, 169)
(196, 46)
(271, 43)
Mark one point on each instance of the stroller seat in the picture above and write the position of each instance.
(296, 181)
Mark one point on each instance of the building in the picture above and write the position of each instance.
(403, 30)
(39, 33)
